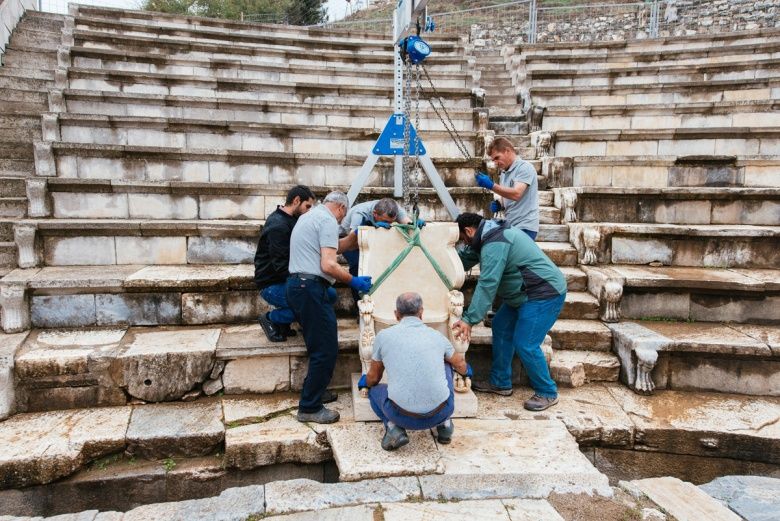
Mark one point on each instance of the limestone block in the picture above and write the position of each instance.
(746, 212)
(138, 309)
(739, 376)
(356, 513)
(181, 429)
(188, 171)
(265, 374)
(162, 206)
(232, 207)
(220, 307)
(151, 250)
(233, 504)
(245, 410)
(627, 250)
(683, 500)
(298, 495)
(109, 168)
(73, 205)
(460, 511)
(63, 310)
(45, 165)
(221, 250)
(348, 364)
(67, 167)
(279, 440)
(530, 510)
(222, 172)
(656, 305)
(41, 448)
(752, 497)
(56, 352)
(162, 365)
(14, 307)
(78, 251)
(9, 345)
(38, 200)
(27, 240)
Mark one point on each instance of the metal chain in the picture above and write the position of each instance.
(449, 126)
(415, 181)
(406, 173)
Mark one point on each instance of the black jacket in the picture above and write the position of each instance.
(273, 250)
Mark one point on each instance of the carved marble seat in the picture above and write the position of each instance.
(443, 305)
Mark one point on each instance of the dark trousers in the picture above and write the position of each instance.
(310, 301)
(353, 260)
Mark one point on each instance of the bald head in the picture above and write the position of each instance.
(408, 304)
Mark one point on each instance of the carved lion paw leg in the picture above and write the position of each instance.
(646, 360)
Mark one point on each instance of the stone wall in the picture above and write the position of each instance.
(10, 13)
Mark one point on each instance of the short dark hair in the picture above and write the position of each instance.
(408, 304)
(387, 207)
(467, 220)
(500, 144)
(301, 191)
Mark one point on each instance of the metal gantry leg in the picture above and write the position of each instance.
(438, 185)
(362, 178)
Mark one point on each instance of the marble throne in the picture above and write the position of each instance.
(443, 306)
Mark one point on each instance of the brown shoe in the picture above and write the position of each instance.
(484, 386)
(539, 403)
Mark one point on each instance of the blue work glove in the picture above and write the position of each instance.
(362, 383)
(484, 180)
(382, 224)
(420, 223)
(469, 371)
(495, 206)
(360, 284)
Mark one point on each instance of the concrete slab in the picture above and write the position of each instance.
(485, 510)
(177, 429)
(704, 424)
(278, 440)
(40, 448)
(683, 500)
(359, 455)
(466, 404)
(507, 458)
(299, 495)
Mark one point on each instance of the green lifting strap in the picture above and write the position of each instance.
(411, 233)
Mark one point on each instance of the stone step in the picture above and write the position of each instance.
(685, 501)
(732, 358)
(510, 108)
(45, 39)
(157, 164)
(701, 294)
(22, 95)
(577, 368)
(495, 82)
(580, 335)
(689, 205)
(663, 142)
(675, 171)
(19, 132)
(199, 87)
(28, 71)
(13, 207)
(16, 108)
(10, 81)
(159, 106)
(16, 150)
(757, 113)
(10, 168)
(12, 186)
(26, 56)
(42, 21)
(143, 62)
(509, 127)
(641, 94)
(715, 246)
(7, 254)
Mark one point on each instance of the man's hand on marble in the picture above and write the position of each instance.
(462, 331)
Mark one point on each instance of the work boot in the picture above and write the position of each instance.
(444, 432)
(270, 329)
(329, 396)
(324, 415)
(539, 403)
(395, 437)
(484, 386)
(286, 329)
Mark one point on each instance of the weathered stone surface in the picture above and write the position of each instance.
(265, 374)
(63, 311)
(357, 513)
(220, 250)
(460, 511)
(40, 448)
(575, 368)
(705, 424)
(530, 510)
(755, 498)
(242, 411)
(212, 386)
(487, 458)
(9, 345)
(166, 430)
(138, 309)
(303, 494)
(684, 501)
(234, 504)
(359, 455)
(65, 351)
(163, 364)
(219, 307)
(278, 440)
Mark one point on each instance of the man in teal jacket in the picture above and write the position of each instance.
(533, 290)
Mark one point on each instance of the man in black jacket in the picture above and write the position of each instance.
(272, 258)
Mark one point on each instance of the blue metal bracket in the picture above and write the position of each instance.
(391, 140)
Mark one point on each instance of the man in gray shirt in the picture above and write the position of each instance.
(419, 362)
(313, 268)
(517, 186)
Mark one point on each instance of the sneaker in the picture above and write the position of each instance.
(270, 329)
(329, 396)
(324, 415)
(395, 437)
(485, 386)
(539, 403)
(444, 432)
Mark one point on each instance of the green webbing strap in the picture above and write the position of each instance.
(411, 233)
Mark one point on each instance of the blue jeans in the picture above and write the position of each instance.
(387, 410)
(311, 302)
(530, 233)
(522, 331)
(276, 296)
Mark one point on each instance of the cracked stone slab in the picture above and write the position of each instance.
(683, 500)
(40, 448)
(299, 495)
(358, 513)
(359, 455)
(55, 352)
(9, 346)
(279, 440)
(513, 458)
(163, 364)
(704, 424)
(175, 429)
(246, 340)
(484, 510)
(755, 498)
(241, 411)
(233, 504)
(531, 510)
(211, 277)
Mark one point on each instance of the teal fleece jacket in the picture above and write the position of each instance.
(511, 266)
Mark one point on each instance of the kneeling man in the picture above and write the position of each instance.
(419, 361)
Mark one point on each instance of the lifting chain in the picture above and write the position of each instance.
(406, 173)
(449, 126)
(411, 159)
